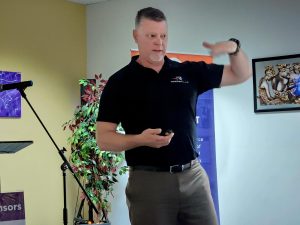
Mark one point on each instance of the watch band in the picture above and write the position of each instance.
(238, 46)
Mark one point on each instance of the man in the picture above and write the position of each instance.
(155, 99)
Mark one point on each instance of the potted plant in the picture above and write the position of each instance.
(97, 169)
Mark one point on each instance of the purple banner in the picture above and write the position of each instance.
(12, 206)
(10, 101)
(206, 141)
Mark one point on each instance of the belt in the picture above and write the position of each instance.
(172, 169)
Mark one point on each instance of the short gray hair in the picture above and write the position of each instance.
(149, 13)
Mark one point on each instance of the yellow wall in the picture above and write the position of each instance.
(44, 40)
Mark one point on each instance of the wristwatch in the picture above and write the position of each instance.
(238, 46)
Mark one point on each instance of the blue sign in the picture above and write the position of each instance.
(206, 141)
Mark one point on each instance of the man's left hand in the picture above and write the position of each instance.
(219, 48)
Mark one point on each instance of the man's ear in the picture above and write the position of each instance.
(134, 34)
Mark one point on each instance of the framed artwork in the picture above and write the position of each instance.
(276, 82)
(10, 101)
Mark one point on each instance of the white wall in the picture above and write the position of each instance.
(257, 154)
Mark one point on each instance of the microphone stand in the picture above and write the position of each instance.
(66, 165)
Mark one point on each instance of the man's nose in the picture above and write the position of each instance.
(158, 41)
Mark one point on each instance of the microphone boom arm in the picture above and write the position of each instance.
(66, 162)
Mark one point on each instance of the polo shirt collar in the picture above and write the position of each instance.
(139, 66)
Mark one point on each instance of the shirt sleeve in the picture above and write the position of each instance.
(110, 102)
(208, 76)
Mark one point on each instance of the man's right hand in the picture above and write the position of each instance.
(109, 140)
(153, 138)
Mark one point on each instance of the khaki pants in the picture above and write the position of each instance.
(162, 198)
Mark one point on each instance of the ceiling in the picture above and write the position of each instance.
(87, 2)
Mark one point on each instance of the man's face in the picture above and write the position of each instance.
(151, 38)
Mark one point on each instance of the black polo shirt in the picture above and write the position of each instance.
(141, 98)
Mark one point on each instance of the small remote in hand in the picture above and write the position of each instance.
(166, 132)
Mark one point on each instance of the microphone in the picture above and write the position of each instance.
(19, 85)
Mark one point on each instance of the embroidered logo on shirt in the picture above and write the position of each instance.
(178, 79)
